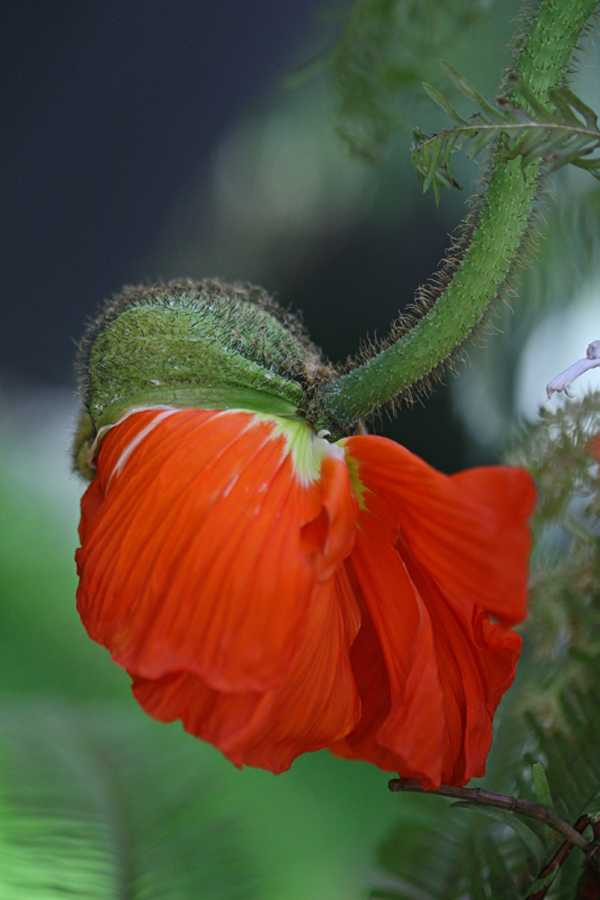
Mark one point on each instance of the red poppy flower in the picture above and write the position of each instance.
(280, 594)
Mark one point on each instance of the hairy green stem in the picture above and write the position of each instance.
(495, 240)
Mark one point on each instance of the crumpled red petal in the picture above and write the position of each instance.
(413, 726)
(428, 711)
(193, 552)
(467, 530)
(316, 704)
(278, 606)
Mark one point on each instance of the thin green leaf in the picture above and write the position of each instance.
(440, 100)
(541, 786)
(566, 99)
(468, 90)
(565, 106)
(479, 143)
(437, 149)
(590, 165)
(538, 884)
(541, 113)
(573, 159)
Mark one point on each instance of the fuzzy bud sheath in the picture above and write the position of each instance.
(277, 584)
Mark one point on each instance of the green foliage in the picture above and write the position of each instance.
(557, 451)
(453, 854)
(382, 56)
(564, 625)
(563, 131)
(84, 814)
(547, 746)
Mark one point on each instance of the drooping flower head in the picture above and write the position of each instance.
(279, 589)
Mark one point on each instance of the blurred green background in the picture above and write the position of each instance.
(130, 161)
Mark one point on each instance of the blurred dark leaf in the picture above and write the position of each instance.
(518, 824)
(383, 55)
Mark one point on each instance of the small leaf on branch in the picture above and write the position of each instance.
(468, 90)
(539, 884)
(541, 786)
(438, 98)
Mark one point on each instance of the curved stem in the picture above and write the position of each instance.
(493, 246)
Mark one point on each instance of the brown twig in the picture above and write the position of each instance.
(557, 860)
(589, 883)
(505, 801)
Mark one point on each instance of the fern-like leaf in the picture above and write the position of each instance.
(564, 132)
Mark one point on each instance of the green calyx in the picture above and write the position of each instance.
(202, 344)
